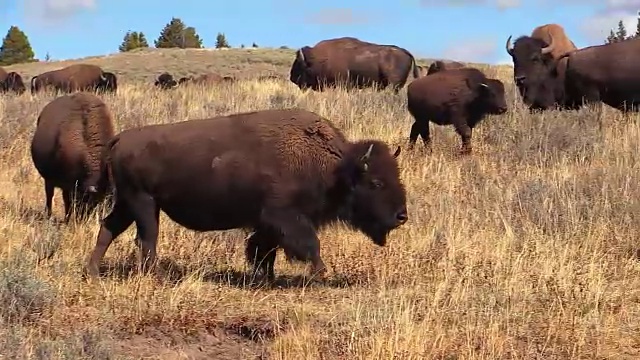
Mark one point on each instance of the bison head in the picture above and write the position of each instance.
(108, 82)
(299, 72)
(491, 94)
(535, 72)
(376, 198)
(14, 83)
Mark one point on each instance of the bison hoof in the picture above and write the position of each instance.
(90, 272)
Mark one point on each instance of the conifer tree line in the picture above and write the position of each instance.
(621, 33)
(175, 34)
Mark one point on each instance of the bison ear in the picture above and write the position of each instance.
(397, 153)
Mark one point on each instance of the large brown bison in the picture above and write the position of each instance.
(354, 63)
(13, 83)
(281, 173)
(165, 81)
(68, 150)
(440, 65)
(539, 66)
(76, 77)
(609, 73)
(461, 97)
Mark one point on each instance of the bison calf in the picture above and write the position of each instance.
(461, 97)
(281, 173)
(68, 150)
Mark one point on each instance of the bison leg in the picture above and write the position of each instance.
(261, 253)
(465, 134)
(146, 214)
(48, 193)
(420, 128)
(113, 225)
(297, 236)
(67, 199)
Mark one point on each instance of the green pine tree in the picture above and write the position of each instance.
(175, 34)
(611, 38)
(637, 34)
(221, 41)
(621, 34)
(16, 48)
(133, 40)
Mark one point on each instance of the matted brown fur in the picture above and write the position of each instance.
(76, 77)
(281, 173)
(554, 34)
(68, 145)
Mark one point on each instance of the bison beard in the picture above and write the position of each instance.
(305, 176)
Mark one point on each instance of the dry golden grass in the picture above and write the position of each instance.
(524, 250)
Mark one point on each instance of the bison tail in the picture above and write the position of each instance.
(33, 84)
(416, 69)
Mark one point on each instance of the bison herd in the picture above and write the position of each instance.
(283, 174)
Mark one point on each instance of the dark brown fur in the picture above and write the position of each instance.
(609, 73)
(166, 81)
(13, 83)
(68, 147)
(540, 66)
(280, 173)
(3, 74)
(354, 63)
(76, 77)
(456, 97)
(440, 65)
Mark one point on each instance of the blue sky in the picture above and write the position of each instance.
(468, 30)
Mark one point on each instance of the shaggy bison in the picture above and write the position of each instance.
(68, 149)
(110, 84)
(461, 97)
(609, 73)
(440, 65)
(281, 173)
(165, 81)
(76, 77)
(354, 63)
(13, 83)
(540, 66)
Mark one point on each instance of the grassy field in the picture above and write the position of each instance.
(526, 249)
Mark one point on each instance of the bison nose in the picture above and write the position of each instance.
(402, 217)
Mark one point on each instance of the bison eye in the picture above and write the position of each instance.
(376, 184)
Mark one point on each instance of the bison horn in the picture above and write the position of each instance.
(508, 46)
(92, 189)
(484, 85)
(367, 155)
(102, 77)
(549, 48)
(300, 54)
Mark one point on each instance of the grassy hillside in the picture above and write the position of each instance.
(526, 249)
(147, 64)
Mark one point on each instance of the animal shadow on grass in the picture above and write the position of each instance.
(167, 270)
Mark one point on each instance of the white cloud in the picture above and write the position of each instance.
(596, 28)
(55, 10)
(473, 50)
(338, 16)
(501, 4)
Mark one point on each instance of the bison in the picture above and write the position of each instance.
(440, 65)
(165, 81)
(461, 97)
(606, 73)
(539, 66)
(110, 84)
(281, 173)
(13, 83)
(76, 77)
(68, 150)
(354, 63)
